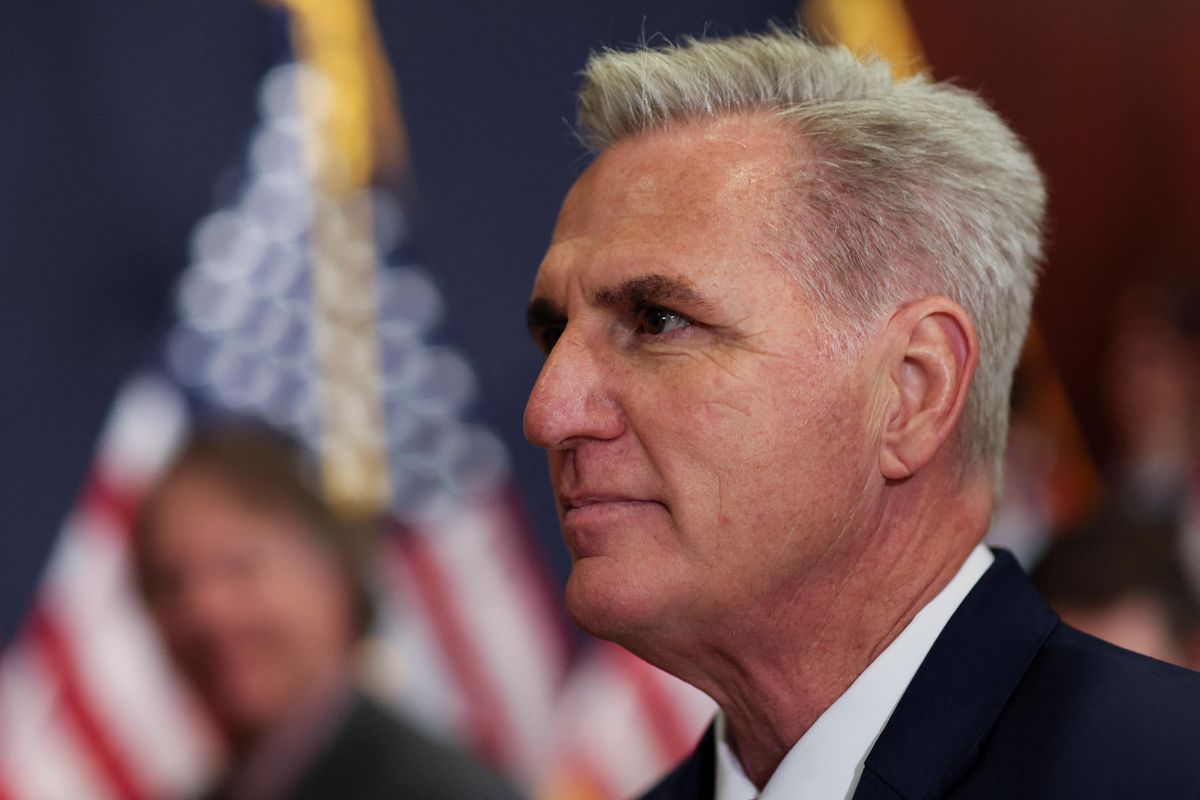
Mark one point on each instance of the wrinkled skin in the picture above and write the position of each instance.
(705, 447)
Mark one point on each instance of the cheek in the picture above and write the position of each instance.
(740, 448)
(751, 423)
(706, 440)
(298, 592)
(180, 632)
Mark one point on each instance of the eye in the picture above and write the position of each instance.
(655, 321)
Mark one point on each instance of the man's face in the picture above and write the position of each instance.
(249, 606)
(706, 449)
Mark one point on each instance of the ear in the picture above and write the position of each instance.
(931, 357)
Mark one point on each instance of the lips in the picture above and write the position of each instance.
(581, 502)
(593, 524)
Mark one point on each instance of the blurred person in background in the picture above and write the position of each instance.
(1153, 394)
(1152, 390)
(1119, 578)
(258, 589)
(1123, 562)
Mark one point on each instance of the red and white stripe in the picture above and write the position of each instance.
(622, 725)
(88, 704)
(472, 599)
(484, 658)
(471, 643)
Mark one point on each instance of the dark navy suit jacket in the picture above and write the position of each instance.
(376, 755)
(1011, 703)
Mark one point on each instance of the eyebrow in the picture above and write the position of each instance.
(647, 289)
(542, 314)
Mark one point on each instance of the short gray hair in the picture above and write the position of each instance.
(916, 188)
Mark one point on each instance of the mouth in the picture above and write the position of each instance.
(600, 502)
(590, 522)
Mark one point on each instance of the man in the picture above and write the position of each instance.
(257, 588)
(781, 311)
(1118, 576)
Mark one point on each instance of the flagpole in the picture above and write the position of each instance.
(356, 132)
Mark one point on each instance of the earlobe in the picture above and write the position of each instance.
(930, 364)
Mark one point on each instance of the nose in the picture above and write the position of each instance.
(200, 606)
(572, 399)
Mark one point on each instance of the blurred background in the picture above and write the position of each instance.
(328, 216)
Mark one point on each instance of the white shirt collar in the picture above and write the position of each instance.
(828, 759)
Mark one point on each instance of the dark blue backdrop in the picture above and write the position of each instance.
(118, 120)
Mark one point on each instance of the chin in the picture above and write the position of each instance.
(626, 609)
(247, 706)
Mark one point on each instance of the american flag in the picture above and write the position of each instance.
(470, 644)
(469, 641)
(88, 704)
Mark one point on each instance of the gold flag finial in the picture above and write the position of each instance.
(877, 27)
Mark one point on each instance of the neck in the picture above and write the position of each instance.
(268, 764)
(777, 667)
(323, 697)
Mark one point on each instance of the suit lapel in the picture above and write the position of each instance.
(935, 732)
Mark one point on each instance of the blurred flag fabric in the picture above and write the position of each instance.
(301, 305)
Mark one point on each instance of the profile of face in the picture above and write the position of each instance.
(250, 608)
(707, 448)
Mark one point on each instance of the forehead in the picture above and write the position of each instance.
(664, 198)
(196, 511)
